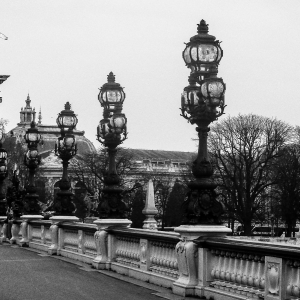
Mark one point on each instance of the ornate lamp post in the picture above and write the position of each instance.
(3, 175)
(32, 160)
(111, 132)
(66, 149)
(202, 102)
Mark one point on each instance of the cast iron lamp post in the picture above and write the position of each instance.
(65, 148)
(3, 174)
(111, 132)
(31, 206)
(202, 102)
(32, 160)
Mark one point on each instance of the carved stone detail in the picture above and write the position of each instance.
(54, 238)
(24, 229)
(186, 252)
(101, 245)
(273, 278)
(15, 229)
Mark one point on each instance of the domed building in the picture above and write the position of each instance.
(51, 166)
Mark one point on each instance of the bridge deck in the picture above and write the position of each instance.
(29, 275)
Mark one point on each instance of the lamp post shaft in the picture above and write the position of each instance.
(112, 169)
(202, 148)
(65, 164)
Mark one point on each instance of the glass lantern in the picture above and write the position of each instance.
(103, 129)
(213, 89)
(3, 154)
(118, 123)
(111, 95)
(203, 51)
(66, 119)
(190, 97)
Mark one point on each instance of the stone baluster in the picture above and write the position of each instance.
(143, 254)
(223, 266)
(229, 267)
(129, 248)
(245, 269)
(234, 268)
(290, 265)
(238, 278)
(165, 255)
(296, 285)
(218, 266)
(256, 278)
(251, 269)
(159, 254)
(262, 274)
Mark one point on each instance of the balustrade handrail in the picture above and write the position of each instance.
(40, 222)
(251, 247)
(161, 236)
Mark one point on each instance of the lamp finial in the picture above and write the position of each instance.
(202, 27)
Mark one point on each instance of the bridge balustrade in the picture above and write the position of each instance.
(226, 268)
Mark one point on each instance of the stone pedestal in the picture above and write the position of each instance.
(56, 220)
(3, 229)
(103, 259)
(24, 242)
(187, 256)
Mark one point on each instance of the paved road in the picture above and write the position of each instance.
(28, 275)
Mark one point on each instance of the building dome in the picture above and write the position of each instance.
(51, 165)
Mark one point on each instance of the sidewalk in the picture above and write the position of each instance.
(30, 275)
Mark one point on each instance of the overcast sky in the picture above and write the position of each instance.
(63, 50)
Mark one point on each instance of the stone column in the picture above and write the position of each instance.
(187, 257)
(150, 210)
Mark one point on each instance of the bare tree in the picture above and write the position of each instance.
(91, 168)
(243, 149)
(287, 188)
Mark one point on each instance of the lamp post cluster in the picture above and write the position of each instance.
(111, 132)
(202, 102)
